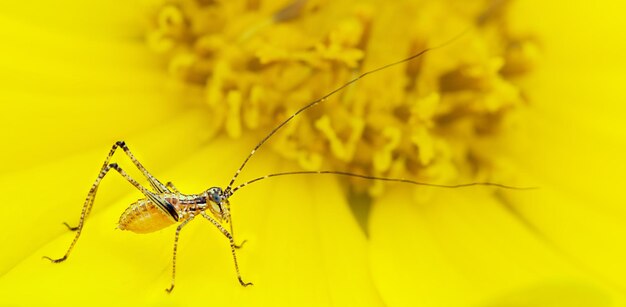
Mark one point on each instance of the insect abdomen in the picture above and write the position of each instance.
(143, 217)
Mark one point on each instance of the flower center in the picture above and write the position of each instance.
(432, 119)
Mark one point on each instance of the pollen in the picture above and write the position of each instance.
(436, 118)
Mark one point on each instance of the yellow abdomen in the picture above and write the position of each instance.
(143, 217)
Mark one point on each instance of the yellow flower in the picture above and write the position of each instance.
(79, 77)
(560, 245)
(262, 62)
(74, 86)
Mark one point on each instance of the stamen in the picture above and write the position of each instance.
(431, 118)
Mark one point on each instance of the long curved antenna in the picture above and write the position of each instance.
(452, 186)
(313, 103)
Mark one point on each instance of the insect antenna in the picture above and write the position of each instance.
(402, 180)
(228, 189)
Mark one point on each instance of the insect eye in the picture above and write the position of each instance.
(215, 194)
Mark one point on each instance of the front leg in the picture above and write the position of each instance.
(233, 246)
(230, 222)
(232, 233)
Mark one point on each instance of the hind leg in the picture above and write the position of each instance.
(90, 199)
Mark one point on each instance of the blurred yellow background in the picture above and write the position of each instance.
(77, 76)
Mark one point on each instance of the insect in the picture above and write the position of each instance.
(164, 205)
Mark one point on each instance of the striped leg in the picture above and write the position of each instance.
(170, 185)
(229, 220)
(155, 183)
(232, 233)
(89, 203)
(232, 246)
(178, 229)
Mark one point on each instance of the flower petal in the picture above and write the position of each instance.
(465, 248)
(301, 249)
(573, 144)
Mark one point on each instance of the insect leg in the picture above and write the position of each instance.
(178, 229)
(155, 183)
(230, 221)
(90, 199)
(232, 233)
(171, 186)
(232, 246)
(94, 189)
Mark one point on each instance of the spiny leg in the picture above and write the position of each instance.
(92, 192)
(171, 186)
(232, 246)
(94, 189)
(175, 249)
(155, 183)
(230, 221)
(232, 233)
(89, 203)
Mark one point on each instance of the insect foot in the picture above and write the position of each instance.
(55, 260)
(241, 245)
(70, 227)
(245, 284)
